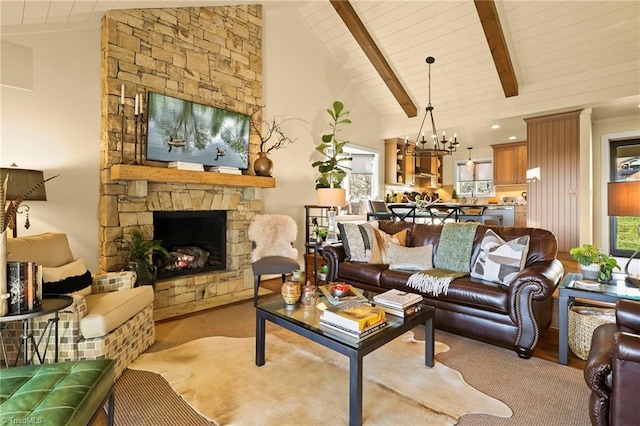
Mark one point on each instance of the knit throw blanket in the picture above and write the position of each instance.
(452, 261)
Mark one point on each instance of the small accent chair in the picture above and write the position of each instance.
(110, 319)
(612, 371)
(272, 236)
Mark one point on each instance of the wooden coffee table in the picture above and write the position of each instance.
(305, 322)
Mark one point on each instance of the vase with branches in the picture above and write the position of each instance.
(267, 130)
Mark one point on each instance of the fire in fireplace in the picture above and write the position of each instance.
(195, 240)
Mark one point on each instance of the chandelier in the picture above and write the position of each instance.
(431, 147)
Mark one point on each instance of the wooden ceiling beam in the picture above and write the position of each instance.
(495, 39)
(368, 45)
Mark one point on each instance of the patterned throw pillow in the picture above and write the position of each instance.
(500, 261)
(357, 240)
(66, 279)
(410, 258)
(382, 240)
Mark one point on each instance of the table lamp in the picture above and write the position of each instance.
(332, 198)
(624, 200)
(22, 184)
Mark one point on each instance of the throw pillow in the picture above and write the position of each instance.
(410, 258)
(500, 261)
(357, 240)
(382, 240)
(70, 278)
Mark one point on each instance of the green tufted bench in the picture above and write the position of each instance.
(67, 393)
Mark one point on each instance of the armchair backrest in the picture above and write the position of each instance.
(50, 249)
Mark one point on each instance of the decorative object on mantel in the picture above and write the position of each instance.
(420, 149)
(263, 166)
(623, 201)
(328, 185)
(138, 129)
(16, 186)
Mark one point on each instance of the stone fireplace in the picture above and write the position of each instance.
(209, 55)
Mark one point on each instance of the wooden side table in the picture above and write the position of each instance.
(50, 304)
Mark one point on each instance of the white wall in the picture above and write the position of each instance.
(301, 81)
(55, 127)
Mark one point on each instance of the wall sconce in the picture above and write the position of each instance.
(21, 185)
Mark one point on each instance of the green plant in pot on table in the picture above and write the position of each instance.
(595, 264)
(140, 251)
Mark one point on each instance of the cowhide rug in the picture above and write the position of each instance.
(303, 383)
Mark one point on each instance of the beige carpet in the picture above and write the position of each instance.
(304, 383)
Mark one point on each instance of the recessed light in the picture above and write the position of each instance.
(495, 126)
(512, 138)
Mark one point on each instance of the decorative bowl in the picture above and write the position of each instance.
(340, 290)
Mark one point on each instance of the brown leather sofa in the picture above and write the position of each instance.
(510, 316)
(612, 371)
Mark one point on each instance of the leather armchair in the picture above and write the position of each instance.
(612, 371)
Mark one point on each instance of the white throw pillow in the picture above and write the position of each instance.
(500, 261)
(410, 258)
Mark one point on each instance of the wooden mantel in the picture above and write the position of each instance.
(161, 174)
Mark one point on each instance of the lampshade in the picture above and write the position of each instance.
(21, 181)
(624, 198)
(331, 197)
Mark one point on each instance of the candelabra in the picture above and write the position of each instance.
(122, 128)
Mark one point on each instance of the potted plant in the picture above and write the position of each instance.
(140, 251)
(332, 172)
(594, 264)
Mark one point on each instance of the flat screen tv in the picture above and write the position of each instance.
(179, 130)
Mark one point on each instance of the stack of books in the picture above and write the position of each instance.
(226, 169)
(399, 303)
(184, 165)
(354, 319)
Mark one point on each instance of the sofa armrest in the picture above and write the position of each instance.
(76, 311)
(626, 379)
(334, 255)
(113, 281)
(597, 370)
(628, 314)
(542, 277)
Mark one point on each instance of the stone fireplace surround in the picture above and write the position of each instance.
(209, 55)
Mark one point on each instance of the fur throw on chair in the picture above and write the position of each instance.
(273, 235)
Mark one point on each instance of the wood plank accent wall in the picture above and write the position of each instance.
(554, 142)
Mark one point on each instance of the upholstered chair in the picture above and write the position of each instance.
(109, 317)
(272, 236)
(612, 371)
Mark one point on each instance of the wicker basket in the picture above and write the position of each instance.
(583, 320)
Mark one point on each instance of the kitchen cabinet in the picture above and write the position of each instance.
(510, 163)
(402, 168)
(521, 217)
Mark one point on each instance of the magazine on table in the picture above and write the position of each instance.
(343, 331)
(398, 299)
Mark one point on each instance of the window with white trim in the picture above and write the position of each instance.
(475, 178)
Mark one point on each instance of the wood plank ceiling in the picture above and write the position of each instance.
(564, 55)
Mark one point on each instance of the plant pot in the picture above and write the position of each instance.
(590, 272)
(263, 166)
(145, 274)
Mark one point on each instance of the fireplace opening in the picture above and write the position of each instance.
(195, 240)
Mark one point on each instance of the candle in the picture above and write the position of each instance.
(122, 95)
(136, 105)
(141, 110)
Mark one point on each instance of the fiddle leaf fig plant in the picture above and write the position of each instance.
(332, 149)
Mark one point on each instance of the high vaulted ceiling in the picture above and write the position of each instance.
(565, 54)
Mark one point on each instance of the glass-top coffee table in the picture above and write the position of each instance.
(570, 288)
(305, 322)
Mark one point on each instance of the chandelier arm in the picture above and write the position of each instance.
(434, 135)
(422, 125)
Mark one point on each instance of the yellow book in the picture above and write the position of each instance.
(354, 315)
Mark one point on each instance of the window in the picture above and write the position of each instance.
(475, 181)
(361, 182)
(625, 165)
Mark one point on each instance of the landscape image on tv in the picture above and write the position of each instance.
(179, 130)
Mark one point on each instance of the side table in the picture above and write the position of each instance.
(50, 304)
(569, 291)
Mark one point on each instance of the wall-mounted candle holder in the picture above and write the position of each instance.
(122, 128)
